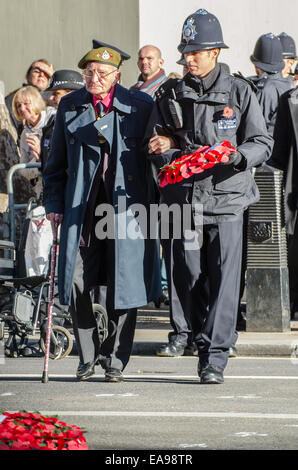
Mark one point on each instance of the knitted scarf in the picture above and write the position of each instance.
(150, 86)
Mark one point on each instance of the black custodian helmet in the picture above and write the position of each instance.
(267, 54)
(66, 80)
(288, 46)
(201, 30)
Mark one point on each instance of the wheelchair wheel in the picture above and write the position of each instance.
(102, 321)
(61, 342)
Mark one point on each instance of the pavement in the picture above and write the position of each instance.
(153, 327)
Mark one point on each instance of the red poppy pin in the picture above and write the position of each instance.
(228, 112)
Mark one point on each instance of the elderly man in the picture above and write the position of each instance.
(95, 165)
(152, 75)
(206, 107)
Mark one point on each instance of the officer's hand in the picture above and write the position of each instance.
(52, 216)
(234, 159)
(159, 144)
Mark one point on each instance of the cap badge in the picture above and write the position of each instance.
(202, 11)
(189, 30)
(105, 55)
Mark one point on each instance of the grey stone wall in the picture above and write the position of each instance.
(61, 31)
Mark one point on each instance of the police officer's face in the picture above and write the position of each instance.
(56, 96)
(100, 78)
(149, 61)
(200, 63)
(289, 63)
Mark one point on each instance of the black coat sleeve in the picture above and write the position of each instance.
(282, 135)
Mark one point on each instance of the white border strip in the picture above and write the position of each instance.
(170, 414)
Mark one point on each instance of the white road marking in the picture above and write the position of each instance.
(249, 434)
(246, 397)
(116, 395)
(158, 376)
(168, 414)
(188, 446)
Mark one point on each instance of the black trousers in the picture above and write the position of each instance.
(293, 268)
(204, 286)
(116, 349)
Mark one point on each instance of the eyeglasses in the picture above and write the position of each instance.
(88, 74)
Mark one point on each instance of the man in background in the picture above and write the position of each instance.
(152, 75)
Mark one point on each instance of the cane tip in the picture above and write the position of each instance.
(45, 377)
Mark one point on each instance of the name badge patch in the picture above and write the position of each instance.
(226, 124)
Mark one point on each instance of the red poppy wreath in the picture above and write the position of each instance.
(188, 165)
(32, 431)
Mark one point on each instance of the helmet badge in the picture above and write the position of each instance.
(189, 30)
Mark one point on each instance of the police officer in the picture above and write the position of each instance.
(214, 107)
(268, 61)
(289, 54)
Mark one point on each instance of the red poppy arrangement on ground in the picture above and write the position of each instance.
(32, 431)
(188, 165)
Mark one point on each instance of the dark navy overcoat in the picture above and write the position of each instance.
(68, 178)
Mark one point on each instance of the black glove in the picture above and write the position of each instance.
(237, 160)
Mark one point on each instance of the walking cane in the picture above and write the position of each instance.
(45, 377)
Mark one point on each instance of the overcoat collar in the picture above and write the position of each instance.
(85, 125)
(121, 102)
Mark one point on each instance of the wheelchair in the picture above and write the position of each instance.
(24, 299)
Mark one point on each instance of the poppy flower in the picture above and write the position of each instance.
(228, 112)
(174, 175)
(185, 170)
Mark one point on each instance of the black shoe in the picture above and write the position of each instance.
(190, 349)
(165, 297)
(172, 349)
(211, 375)
(233, 351)
(113, 375)
(84, 371)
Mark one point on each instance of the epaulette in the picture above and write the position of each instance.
(247, 80)
(165, 88)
